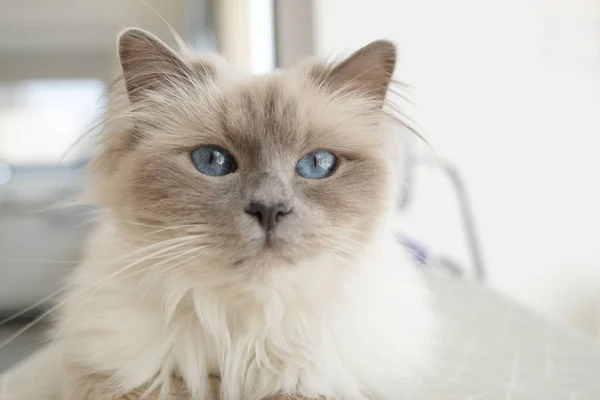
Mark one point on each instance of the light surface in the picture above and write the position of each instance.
(493, 349)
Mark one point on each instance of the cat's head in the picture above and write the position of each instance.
(257, 170)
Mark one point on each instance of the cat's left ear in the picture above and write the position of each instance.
(367, 71)
(148, 64)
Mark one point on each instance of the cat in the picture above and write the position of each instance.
(244, 248)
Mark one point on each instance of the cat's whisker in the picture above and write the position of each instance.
(170, 267)
(154, 245)
(62, 303)
(343, 251)
(353, 242)
(48, 297)
(61, 262)
(46, 313)
(36, 304)
(338, 248)
(338, 231)
(340, 257)
(25, 328)
(102, 282)
(115, 275)
(171, 257)
(176, 266)
(57, 335)
(151, 245)
(161, 227)
(341, 245)
(146, 258)
(68, 262)
(345, 229)
(41, 261)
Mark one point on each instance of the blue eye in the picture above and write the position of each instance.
(213, 161)
(316, 165)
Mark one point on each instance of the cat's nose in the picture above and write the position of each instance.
(268, 215)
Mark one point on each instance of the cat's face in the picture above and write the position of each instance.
(264, 170)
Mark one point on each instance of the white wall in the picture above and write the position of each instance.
(510, 92)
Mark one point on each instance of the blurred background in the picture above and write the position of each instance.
(506, 92)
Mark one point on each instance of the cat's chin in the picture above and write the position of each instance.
(271, 252)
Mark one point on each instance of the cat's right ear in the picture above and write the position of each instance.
(367, 72)
(148, 64)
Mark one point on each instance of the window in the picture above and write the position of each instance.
(42, 120)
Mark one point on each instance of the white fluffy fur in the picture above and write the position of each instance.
(352, 334)
(321, 328)
(360, 334)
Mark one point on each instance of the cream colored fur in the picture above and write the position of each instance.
(358, 335)
(339, 314)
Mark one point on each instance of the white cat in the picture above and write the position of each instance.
(245, 247)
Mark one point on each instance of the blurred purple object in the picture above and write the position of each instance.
(417, 250)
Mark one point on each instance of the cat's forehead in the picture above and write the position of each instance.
(288, 110)
(261, 107)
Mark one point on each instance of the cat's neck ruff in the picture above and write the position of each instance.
(322, 327)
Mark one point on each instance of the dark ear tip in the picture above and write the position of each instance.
(128, 35)
(386, 48)
(385, 44)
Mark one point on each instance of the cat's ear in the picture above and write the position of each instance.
(148, 64)
(367, 71)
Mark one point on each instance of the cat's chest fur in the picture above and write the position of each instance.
(257, 347)
(279, 337)
(312, 331)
